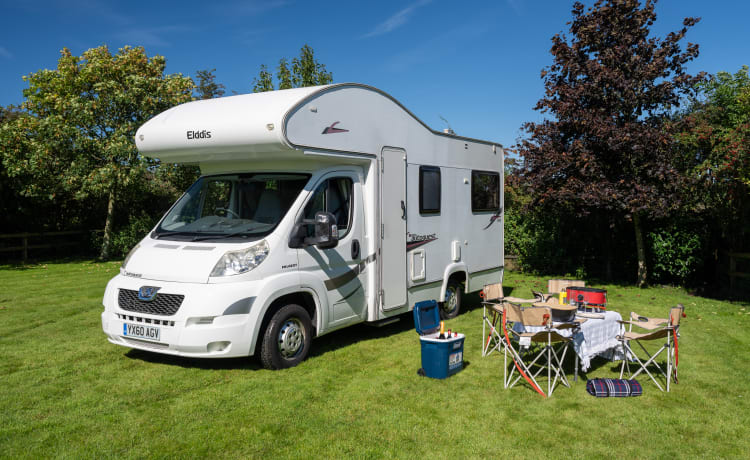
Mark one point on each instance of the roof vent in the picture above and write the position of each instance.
(449, 131)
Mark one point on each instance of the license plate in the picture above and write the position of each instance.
(140, 331)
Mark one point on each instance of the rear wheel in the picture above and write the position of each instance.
(287, 338)
(451, 305)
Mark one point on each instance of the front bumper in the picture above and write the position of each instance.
(213, 320)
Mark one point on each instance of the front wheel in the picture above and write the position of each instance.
(451, 305)
(287, 338)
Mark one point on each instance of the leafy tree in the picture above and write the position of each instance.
(715, 134)
(8, 114)
(610, 90)
(305, 71)
(264, 82)
(284, 75)
(206, 87)
(77, 142)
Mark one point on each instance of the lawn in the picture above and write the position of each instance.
(67, 392)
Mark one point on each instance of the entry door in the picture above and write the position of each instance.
(393, 228)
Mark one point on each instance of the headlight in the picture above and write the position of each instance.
(130, 254)
(236, 262)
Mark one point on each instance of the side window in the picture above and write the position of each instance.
(334, 196)
(485, 191)
(429, 190)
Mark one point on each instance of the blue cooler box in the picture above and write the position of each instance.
(440, 358)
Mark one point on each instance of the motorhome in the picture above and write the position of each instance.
(317, 208)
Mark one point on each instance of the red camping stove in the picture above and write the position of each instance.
(585, 297)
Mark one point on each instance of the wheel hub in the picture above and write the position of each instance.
(291, 337)
(450, 300)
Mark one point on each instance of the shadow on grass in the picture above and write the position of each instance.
(360, 332)
(195, 363)
(330, 342)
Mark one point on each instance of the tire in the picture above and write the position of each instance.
(451, 305)
(287, 338)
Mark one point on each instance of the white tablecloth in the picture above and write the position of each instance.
(597, 337)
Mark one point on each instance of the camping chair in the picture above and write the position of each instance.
(493, 298)
(544, 334)
(659, 328)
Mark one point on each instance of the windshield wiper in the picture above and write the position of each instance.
(158, 235)
(221, 236)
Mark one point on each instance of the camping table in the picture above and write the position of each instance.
(596, 337)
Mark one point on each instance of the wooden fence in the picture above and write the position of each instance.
(733, 273)
(511, 262)
(49, 240)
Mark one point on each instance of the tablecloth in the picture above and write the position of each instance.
(596, 337)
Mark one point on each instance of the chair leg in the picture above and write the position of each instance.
(669, 366)
(549, 365)
(644, 367)
(625, 360)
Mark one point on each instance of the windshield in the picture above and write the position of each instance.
(231, 206)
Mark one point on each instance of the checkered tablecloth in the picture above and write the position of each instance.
(597, 337)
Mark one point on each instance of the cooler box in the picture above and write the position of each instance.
(440, 358)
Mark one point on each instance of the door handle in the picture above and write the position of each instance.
(355, 249)
(403, 210)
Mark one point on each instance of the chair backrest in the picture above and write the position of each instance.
(531, 316)
(269, 207)
(493, 291)
(557, 286)
(675, 313)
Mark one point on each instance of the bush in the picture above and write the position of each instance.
(675, 255)
(125, 238)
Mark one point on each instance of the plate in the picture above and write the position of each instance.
(140, 331)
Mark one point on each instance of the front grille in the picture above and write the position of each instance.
(163, 304)
(138, 319)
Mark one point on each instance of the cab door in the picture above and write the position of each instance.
(342, 268)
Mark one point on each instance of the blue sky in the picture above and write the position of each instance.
(475, 63)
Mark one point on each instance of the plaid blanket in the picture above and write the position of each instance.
(603, 388)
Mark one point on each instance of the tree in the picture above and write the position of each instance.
(206, 87)
(714, 133)
(305, 71)
(77, 141)
(610, 90)
(264, 82)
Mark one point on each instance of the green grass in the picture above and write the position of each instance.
(67, 392)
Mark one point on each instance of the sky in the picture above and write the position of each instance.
(475, 64)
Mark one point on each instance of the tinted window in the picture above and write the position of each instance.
(334, 196)
(429, 189)
(485, 191)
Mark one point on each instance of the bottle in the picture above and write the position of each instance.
(442, 331)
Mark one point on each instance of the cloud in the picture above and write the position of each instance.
(396, 21)
(150, 36)
(437, 48)
(5, 53)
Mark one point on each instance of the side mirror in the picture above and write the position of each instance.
(326, 231)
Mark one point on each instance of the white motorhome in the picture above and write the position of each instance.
(318, 208)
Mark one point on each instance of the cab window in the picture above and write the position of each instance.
(334, 196)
